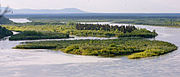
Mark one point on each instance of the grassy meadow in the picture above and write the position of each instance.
(98, 31)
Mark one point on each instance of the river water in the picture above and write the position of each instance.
(20, 20)
(48, 63)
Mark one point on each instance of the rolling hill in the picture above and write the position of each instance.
(47, 11)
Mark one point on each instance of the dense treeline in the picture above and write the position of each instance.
(140, 33)
(34, 35)
(105, 27)
(71, 29)
(4, 32)
(135, 48)
(152, 21)
(113, 31)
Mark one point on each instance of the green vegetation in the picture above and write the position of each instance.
(38, 23)
(4, 32)
(34, 35)
(130, 44)
(133, 47)
(113, 31)
(152, 21)
(106, 27)
(94, 30)
(157, 19)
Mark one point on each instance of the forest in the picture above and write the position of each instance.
(106, 27)
(89, 38)
(86, 30)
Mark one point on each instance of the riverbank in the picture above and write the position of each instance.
(84, 30)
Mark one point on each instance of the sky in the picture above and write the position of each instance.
(100, 6)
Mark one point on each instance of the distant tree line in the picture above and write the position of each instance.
(38, 23)
(105, 27)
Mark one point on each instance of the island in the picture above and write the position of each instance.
(84, 30)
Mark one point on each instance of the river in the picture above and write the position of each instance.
(20, 20)
(48, 63)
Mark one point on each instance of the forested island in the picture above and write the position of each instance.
(85, 30)
(134, 48)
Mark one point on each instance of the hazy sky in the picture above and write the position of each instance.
(110, 6)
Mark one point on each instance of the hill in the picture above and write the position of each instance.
(47, 11)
